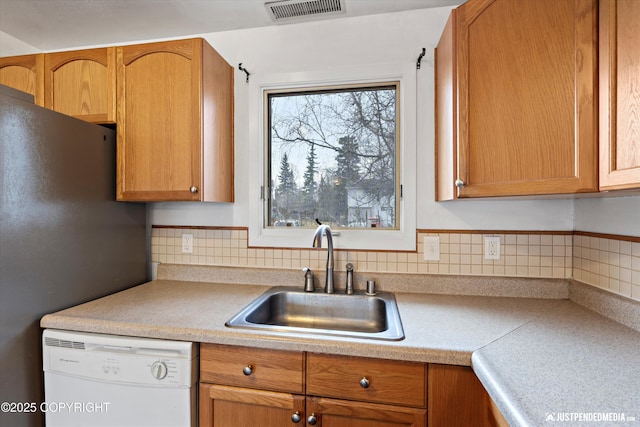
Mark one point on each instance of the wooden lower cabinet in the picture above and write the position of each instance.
(347, 413)
(242, 386)
(390, 382)
(456, 397)
(224, 406)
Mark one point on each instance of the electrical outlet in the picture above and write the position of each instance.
(187, 243)
(431, 248)
(492, 247)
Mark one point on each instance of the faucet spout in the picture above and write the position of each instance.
(317, 243)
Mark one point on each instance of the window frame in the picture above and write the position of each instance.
(401, 238)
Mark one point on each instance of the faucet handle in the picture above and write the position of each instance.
(349, 286)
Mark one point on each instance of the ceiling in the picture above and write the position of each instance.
(61, 24)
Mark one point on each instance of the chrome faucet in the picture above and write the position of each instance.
(317, 243)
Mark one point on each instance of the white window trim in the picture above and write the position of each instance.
(403, 238)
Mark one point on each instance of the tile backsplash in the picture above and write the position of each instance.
(607, 262)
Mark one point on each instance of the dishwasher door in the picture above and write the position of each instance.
(111, 381)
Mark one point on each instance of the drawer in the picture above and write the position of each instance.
(252, 367)
(383, 381)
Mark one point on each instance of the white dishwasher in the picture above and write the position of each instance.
(98, 380)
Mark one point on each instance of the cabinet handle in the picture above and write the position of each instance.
(193, 189)
(312, 420)
(247, 370)
(364, 382)
(296, 417)
(459, 183)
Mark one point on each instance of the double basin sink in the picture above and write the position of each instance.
(287, 310)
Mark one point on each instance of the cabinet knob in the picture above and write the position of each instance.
(193, 189)
(312, 420)
(459, 183)
(364, 382)
(295, 418)
(247, 370)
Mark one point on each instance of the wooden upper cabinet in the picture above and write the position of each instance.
(25, 73)
(516, 110)
(174, 122)
(82, 83)
(619, 94)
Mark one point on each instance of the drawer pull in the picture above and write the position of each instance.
(295, 418)
(364, 382)
(312, 420)
(247, 370)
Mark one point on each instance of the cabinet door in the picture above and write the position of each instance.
(82, 84)
(523, 98)
(158, 121)
(222, 406)
(346, 413)
(619, 94)
(456, 397)
(25, 73)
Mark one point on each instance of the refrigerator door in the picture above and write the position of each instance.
(64, 239)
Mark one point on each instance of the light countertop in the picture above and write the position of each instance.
(537, 357)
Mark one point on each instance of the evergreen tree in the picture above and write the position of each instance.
(309, 185)
(287, 191)
(348, 160)
(348, 175)
(327, 211)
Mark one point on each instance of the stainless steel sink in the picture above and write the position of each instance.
(288, 310)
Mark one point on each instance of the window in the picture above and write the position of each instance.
(331, 156)
(381, 218)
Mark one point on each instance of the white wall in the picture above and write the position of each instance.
(613, 215)
(11, 46)
(371, 40)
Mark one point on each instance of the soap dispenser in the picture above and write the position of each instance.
(308, 280)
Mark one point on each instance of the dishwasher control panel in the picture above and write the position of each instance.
(113, 358)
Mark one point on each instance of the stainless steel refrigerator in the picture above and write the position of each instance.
(64, 239)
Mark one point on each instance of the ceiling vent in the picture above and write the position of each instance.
(290, 11)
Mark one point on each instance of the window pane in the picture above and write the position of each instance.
(332, 156)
